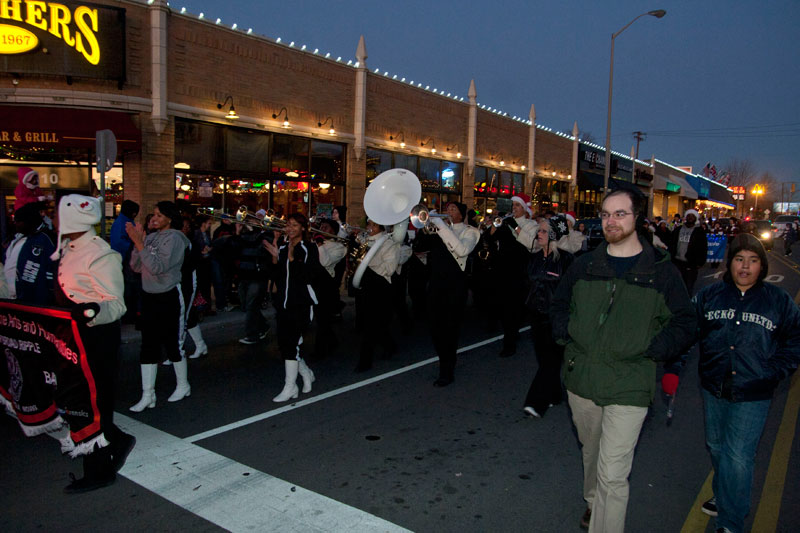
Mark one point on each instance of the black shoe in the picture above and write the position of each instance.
(442, 382)
(362, 367)
(86, 483)
(121, 451)
(709, 507)
(263, 334)
(507, 351)
(248, 340)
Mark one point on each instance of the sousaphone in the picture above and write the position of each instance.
(388, 202)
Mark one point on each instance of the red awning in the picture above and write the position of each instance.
(56, 127)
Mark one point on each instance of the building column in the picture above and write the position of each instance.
(356, 160)
(158, 56)
(530, 174)
(573, 180)
(149, 174)
(468, 179)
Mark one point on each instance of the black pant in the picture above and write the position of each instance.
(448, 296)
(546, 386)
(163, 323)
(373, 304)
(101, 344)
(328, 295)
(510, 302)
(251, 296)
(688, 274)
(292, 323)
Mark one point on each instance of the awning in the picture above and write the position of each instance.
(56, 127)
(686, 190)
(720, 194)
(663, 184)
(594, 182)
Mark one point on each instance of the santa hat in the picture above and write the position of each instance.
(691, 212)
(25, 175)
(76, 213)
(524, 200)
(570, 216)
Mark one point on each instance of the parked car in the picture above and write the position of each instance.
(594, 231)
(763, 230)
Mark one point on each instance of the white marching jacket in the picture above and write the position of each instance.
(460, 239)
(90, 271)
(385, 262)
(330, 253)
(526, 235)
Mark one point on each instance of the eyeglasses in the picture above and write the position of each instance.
(616, 215)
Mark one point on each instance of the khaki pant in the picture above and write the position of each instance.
(608, 435)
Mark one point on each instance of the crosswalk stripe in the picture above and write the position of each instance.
(232, 495)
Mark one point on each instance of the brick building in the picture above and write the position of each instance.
(220, 117)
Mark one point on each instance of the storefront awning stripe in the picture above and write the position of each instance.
(686, 190)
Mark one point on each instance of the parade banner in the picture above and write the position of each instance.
(717, 244)
(46, 379)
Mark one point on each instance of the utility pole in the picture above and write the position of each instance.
(639, 136)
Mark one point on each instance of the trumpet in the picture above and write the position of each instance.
(421, 218)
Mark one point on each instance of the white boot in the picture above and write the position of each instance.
(182, 389)
(307, 375)
(290, 389)
(148, 389)
(200, 347)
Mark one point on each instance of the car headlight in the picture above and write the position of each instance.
(766, 235)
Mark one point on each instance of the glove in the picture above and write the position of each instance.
(438, 222)
(669, 384)
(510, 222)
(83, 313)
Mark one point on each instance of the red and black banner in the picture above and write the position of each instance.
(46, 378)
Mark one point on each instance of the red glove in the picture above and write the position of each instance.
(669, 384)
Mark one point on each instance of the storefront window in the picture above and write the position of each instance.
(429, 173)
(408, 162)
(480, 183)
(246, 150)
(377, 161)
(199, 145)
(289, 158)
(327, 162)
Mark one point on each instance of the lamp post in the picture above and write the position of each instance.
(658, 13)
(758, 190)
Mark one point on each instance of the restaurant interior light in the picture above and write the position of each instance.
(182, 166)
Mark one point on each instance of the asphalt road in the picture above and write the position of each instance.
(383, 450)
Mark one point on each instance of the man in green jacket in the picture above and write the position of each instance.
(618, 310)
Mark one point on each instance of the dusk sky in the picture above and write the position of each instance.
(711, 81)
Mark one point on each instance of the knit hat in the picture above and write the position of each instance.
(558, 227)
(691, 212)
(261, 213)
(76, 213)
(462, 208)
(746, 241)
(524, 200)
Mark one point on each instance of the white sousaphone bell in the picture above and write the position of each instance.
(388, 202)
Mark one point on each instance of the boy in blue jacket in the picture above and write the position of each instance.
(749, 335)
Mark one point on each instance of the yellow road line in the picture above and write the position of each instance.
(697, 520)
(769, 506)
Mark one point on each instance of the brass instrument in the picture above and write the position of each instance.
(421, 218)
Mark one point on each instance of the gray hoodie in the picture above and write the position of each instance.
(161, 260)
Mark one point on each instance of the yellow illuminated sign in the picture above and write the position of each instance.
(77, 28)
(16, 40)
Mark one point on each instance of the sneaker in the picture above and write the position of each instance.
(710, 507)
(248, 340)
(531, 411)
(263, 335)
(587, 516)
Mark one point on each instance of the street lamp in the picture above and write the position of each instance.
(658, 13)
(758, 190)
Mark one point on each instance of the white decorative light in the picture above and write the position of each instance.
(200, 16)
(234, 26)
(356, 64)
(316, 50)
(303, 47)
(327, 55)
(278, 40)
(291, 44)
(402, 79)
(218, 20)
(183, 10)
(394, 77)
(249, 31)
(339, 59)
(349, 62)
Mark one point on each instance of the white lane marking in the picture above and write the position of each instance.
(232, 495)
(324, 396)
